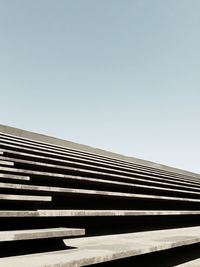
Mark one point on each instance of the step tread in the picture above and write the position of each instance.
(39, 233)
(24, 197)
(98, 249)
(79, 213)
(64, 190)
(15, 177)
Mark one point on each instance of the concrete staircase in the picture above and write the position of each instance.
(51, 193)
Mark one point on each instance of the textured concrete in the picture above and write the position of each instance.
(94, 213)
(39, 234)
(192, 263)
(99, 160)
(14, 186)
(101, 174)
(94, 192)
(91, 250)
(5, 162)
(14, 177)
(6, 197)
(105, 165)
(73, 158)
(96, 169)
(67, 144)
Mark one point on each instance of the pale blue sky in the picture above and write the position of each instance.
(121, 75)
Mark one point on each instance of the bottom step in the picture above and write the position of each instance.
(39, 234)
(91, 250)
(192, 263)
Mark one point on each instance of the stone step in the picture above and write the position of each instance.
(163, 186)
(51, 162)
(17, 235)
(14, 177)
(50, 148)
(6, 162)
(121, 185)
(94, 213)
(6, 197)
(151, 180)
(191, 263)
(99, 249)
(89, 192)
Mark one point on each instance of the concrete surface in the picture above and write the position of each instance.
(39, 234)
(192, 263)
(90, 192)
(94, 213)
(4, 197)
(51, 151)
(96, 169)
(91, 250)
(63, 143)
(5, 162)
(14, 177)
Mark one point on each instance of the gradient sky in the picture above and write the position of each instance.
(121, 75)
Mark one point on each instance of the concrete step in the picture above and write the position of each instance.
(14, 177)
(120, 185)
(154, 180)
(137, 169)
(17, 235)
(163, 186)
(191, 263)
(109, 194)
(52, 148)
(6, 197)
(62, 164)
(94, 213)
(6, 162)
(99, 249)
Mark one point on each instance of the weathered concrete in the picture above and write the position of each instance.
(151, 180)
(5, 162)
(39, 234)
(94, 213)
(14, 177)
(88, 167)
(49, 150)
(91, 250)
(94, 192)
(67, 144)
(121, 185)
(6, 197)
(192, 263)
(80, 213)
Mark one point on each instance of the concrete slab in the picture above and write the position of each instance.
(5, 162)
(39, 234)
(63, 151)
(94, 213)
(54, 163)
(22, 134)
(6, 197)
(89, 172)
(121, 185)
(95, 164)
(92, 250)
(68, 191)
(14, 177)
(192, 263)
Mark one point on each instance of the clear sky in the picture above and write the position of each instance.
(121, 75)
